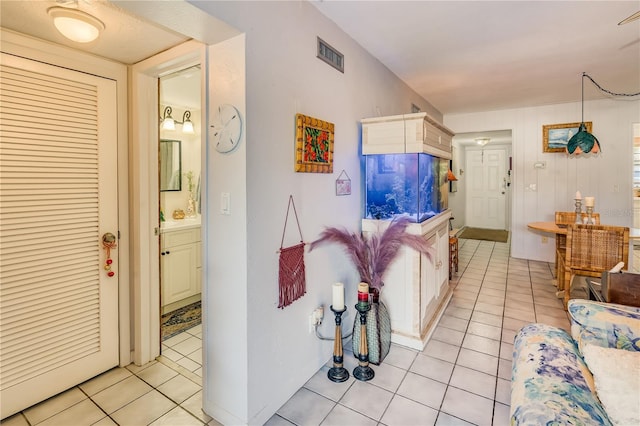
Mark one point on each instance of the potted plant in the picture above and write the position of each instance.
(372, 256)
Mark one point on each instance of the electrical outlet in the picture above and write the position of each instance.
(316, 318)
(319, 314)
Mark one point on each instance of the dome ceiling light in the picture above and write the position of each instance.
(76, 25)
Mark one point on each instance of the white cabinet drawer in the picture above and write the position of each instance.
(177, 238)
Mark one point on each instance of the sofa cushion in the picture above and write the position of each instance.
(605, 324)
(550, 381)
(617, 378)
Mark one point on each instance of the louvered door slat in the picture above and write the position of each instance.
(58, 310)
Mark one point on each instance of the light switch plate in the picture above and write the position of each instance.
(225, 203)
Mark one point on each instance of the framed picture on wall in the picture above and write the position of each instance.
(314, 145)
(556, 136)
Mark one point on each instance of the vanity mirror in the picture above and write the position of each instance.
(170, 165)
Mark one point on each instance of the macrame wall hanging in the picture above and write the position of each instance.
(291, 274)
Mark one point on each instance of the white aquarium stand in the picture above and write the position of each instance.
(416, 289)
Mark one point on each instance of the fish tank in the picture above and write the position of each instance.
(406, 185)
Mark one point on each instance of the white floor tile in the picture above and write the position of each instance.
(433, 368)
(157, 374)
(81, 414)
(321, 384)
(103, 381)
(400, 357)
(120, 394)
(341, 415)
(473, 381)
(423, 390)
(144, 410)
(179, 389)
(403, 411)
(367, 399)
(54, 405)
(306, 408)
(468, 406)
(177, 416)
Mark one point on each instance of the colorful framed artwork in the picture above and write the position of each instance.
(314, 145)
(556, 136)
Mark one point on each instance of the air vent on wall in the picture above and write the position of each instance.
(330, 55)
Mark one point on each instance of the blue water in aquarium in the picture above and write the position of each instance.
(412, 185)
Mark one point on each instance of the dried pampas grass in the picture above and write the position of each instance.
(373, 256)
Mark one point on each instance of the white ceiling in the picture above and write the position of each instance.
(467, 56)
(461, 56)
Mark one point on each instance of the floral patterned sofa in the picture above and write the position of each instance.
(551, 381)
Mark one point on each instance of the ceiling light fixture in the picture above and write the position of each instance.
(482, 141)
(169, 123)
(76, 25)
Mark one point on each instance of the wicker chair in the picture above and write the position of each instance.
(564, 219)
(592, 250)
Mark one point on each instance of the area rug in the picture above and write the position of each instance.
(180, 320)
(497, 235)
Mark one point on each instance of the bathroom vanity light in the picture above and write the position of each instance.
(168, 122)
(76, 25)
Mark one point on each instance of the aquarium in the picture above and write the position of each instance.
(411, 185)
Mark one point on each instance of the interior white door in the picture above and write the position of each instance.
(58, 196)
(486, 188)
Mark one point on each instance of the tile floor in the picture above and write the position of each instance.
(461, 377)
(164, 392)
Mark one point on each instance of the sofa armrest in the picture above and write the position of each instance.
(605, 324)
(550, 382)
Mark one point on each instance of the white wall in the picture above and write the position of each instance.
(607, 177)
(257, 354)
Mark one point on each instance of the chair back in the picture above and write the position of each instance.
(596, 248)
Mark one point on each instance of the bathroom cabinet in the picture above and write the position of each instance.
(181, 266)
(416, 288)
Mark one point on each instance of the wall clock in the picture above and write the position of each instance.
(227, 128)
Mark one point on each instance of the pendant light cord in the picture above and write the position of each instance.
(584, 74)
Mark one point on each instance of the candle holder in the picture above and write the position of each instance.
(338, 373)
(578, 210)
(590, 219)
(363, 372)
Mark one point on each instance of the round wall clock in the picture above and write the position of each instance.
(227, 128)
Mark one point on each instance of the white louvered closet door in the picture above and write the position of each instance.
(58, 196)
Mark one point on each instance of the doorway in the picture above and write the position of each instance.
(179, 162)
(483, 196)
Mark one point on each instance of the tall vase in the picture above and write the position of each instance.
(191, 206)
(378, 331)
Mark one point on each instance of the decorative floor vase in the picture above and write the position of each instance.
(378, 333)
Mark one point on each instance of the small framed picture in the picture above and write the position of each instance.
(343, 184)
(556, 136)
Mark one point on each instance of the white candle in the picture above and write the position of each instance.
(589, 201)
(578, 195)
(338, 297)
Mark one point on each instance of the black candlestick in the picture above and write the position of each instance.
(363, 371)
(338, 373)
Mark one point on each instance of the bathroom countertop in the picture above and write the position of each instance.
(175, 225)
